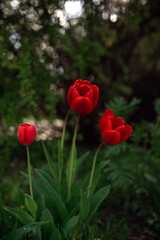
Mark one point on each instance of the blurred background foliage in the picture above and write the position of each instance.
(44, 47)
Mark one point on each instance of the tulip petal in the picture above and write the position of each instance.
(21, 135)
(116, 122)
(69, 96)
(31, 134)
(83, 89)
(75, 94)
(105, 121)
(111, 137)
(80, 81)
(95, 90)
(82, 105)
(125, 131)
(90, 95)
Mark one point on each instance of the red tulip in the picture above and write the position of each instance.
(26, 134)
(113, 128)
(83, 97)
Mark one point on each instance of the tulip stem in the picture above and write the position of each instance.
(93, 169)
(29, 171)
(62, 144)
(72, 158)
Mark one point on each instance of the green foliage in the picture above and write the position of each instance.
(22, 215)
(121, 176)
(55, 216)
(134, 175)
(30, 205)
(120, 230)
(21, 232)
(121, 107)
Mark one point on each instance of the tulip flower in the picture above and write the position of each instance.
(83, 97)
(113, 128)
(26, 134)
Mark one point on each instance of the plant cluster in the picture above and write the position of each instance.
(65, 203)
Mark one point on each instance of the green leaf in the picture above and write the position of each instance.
(98, 198)
(73, 166)
(84, 205)
(81, 159)
(57, 200)
(30, 204)
(95, 182)
(70, 224)
(56, 235)
(49, 227)
(50, 182)
(98, 169)
(150, 178)
(22, 215)
(101, 166)
(41, 207)
(21, 232)
(51, 164)
(60, 156)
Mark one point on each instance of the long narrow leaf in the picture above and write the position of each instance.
(60, 156)
(70, 224)
(30, 204)
(21, 232)
(73, 167)
(49, 228)
(84, 205)
(51, 164)
(22, 215)
(98, 198)
(81, 159)
(60, 206)
(41, 207)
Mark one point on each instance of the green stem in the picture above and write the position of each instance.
(29, 171)
(93, 168)
(72, 158)
(62, 144)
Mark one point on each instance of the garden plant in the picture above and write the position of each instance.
(61, 204)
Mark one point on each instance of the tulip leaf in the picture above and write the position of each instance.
(22, 215)
(49, 227)
(56, 198)
(71, 170)
(41, 207)
(51, 164)
(30, 204)
(81, 159)
(84, 205)
(70, 224)
(56, 235)
(98, 198)
(21, 232)
(60, 156)
(101, 166)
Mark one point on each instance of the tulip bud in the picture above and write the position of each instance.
(26, 134)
